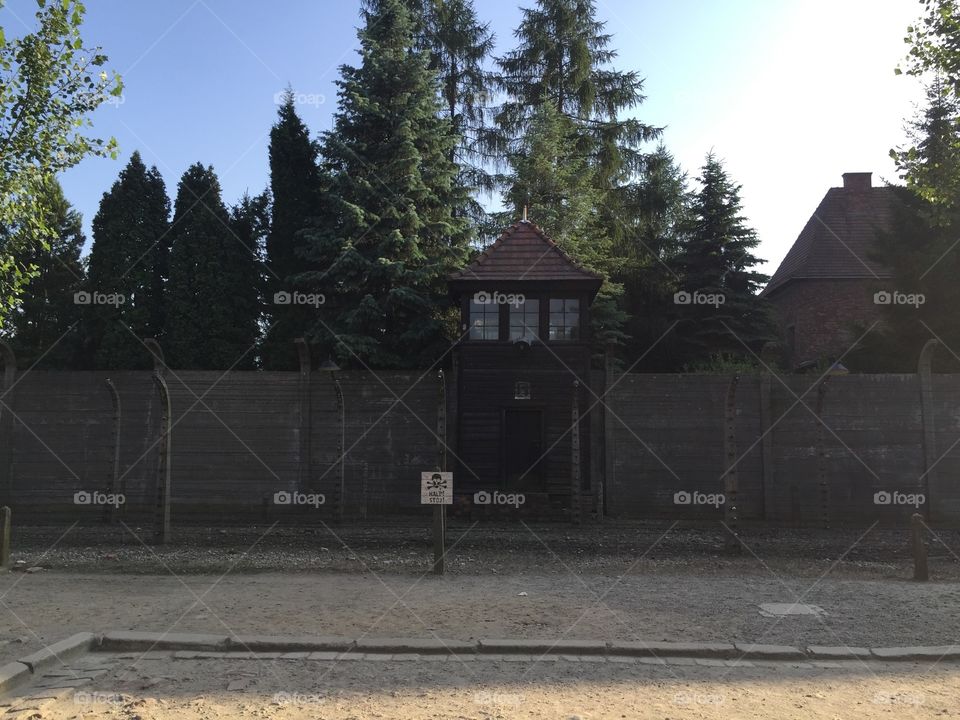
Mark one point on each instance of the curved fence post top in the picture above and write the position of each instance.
(926, 355)
(303, 354)
(159, 361)
(8, 357)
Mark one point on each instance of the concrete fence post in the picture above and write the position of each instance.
(304, 428)
(767, 477)
(823, 484)
(575, 479)
(442, 422)
(114, 481)
(5, 520)
(921, 572)
(161, 528)
(731, 506)
(9, 360)
(930, 485)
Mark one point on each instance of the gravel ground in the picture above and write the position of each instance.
(542, 582)
(480, 549)
(163, 689)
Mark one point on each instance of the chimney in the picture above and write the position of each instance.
(857, 181)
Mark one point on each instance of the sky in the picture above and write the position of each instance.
(789, 93)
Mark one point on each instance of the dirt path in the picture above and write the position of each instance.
(159, 688)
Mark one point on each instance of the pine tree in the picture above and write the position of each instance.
(213, 294)
(388, 237)
(458, 45)
(129, 256)
(295, 186)
(44, 324)
(719, 311)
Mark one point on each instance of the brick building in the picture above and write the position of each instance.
(822, 292)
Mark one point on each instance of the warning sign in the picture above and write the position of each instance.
(436, 488)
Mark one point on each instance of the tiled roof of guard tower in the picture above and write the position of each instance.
(524, 252)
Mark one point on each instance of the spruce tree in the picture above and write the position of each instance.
(129, 256)
(718, 308)
(295, 187)
(458, 45)
(648, 219)
(563, 58)
(920, 248)
(214, 288)
(45, 322)
(388, 237)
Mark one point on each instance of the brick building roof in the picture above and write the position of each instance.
(524, 252)
(836, 242)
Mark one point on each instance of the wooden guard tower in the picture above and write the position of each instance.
(523, 374)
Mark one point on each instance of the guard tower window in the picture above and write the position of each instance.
(484, 320)
(525, 321)
(564, 319)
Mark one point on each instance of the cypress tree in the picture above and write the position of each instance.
(389, 236)
(213, 293)
(44, 323)
(717, 304)
(129, 256)
(295, 186)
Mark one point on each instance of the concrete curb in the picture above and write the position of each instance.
(202, 646)
(132, 641)
(59, 652)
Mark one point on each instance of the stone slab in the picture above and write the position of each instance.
(59, 653)
(12, 675)
(120, 640)
(672, 649)
(560, 647)
(834, 652)
(919, 652)
(278, 643)
(769, 652)
(414, 645)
